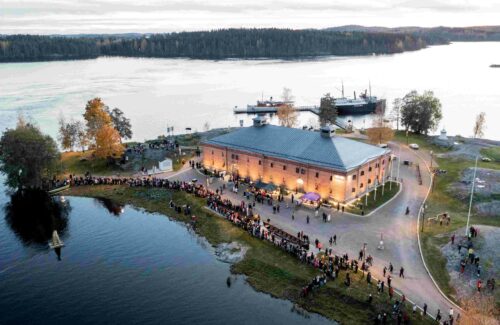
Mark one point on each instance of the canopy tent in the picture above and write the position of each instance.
(311, 196)
(265, 186)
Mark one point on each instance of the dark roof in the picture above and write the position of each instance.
(307, 147)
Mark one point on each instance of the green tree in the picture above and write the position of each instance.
(420, 113)
(121, 123)
(327, 110)
(27, 156)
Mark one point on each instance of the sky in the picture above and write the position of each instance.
(151, 16)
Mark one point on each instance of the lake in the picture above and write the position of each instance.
(156, 93)
(126, 267)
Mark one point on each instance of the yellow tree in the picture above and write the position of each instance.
(378, 135)
(96, 116)
(287, 115)
(108, 143)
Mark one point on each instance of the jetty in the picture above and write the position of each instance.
(273, 110)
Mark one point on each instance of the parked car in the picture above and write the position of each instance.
(383, 145)
(486, 159)
(414, 146)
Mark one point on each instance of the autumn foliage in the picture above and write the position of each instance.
(107, 143)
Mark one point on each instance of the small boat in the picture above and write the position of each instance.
(58, 189)
(56, 242)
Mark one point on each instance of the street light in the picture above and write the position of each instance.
(471, 195)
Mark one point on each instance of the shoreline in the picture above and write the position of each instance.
(267, 269)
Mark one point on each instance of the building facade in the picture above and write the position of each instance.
(337, 168)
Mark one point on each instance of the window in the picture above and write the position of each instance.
(369, 169)
(302, 171)
(331, 177)
(317, 174)
(353, 190)
(248, 160)
(361, 185)
(272, 165)
(232, 156)
(284, 167)
(362, 173)
(222, 154)
(297, 170)
(369, 181)
(212, 152)
(353, 177)
(383, 162)
(260, 162)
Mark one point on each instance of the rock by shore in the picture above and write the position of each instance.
(230, 252)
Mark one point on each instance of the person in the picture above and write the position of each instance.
(414, 309)
(425, 309)
(293, 217)
(391, 293)
(391, 268)
(479, 285)
(335, 239)
(402, 272)
(459, 248)
(438, 316)
(389, 279)
(385, 270)
(307, 219)
(407, 210)
(451, 313)
(369, 277)
(370, 298)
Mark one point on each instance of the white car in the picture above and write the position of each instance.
(486, 159)
(414, 146)
(383, 145)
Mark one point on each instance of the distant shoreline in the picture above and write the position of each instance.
(495, 66)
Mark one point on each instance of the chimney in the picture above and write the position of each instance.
(259, 121)
(327, 131)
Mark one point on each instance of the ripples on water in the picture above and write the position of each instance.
(122, 265)
(184, 93)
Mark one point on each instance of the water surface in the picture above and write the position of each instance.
(156, 93)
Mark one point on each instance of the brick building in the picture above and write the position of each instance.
(335, 167)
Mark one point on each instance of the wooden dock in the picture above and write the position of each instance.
(273, 110)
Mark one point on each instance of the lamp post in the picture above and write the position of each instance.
(471, 195)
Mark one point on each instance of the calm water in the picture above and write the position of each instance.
(134, 268)
(184, 93)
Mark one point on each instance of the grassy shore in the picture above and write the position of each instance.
(268, 268)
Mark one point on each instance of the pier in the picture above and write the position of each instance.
(273, 110)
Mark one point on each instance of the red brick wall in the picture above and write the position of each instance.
(328, 183)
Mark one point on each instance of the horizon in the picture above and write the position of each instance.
(69, 17)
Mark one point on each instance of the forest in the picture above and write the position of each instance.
(217, 44)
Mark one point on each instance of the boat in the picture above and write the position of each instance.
(363, 104)
(55, 242)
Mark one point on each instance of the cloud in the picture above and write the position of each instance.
(115, 16)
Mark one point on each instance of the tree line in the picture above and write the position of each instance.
(217, 44)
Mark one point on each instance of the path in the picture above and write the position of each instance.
(399, 230)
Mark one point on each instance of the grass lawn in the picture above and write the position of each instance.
(420, 139)
(268, 268)
(441, 201)
(372, 203)
(78, 163)
(492, 153)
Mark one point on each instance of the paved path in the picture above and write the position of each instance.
(399, 230)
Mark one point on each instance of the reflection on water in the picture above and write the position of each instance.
(113, 207)
(33, 216)
(140, 268)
